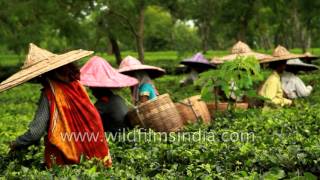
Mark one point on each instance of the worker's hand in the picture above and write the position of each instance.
(293, 103)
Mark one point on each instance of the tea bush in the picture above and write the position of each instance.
(284, 143)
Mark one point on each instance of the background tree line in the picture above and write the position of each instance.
(154, 25)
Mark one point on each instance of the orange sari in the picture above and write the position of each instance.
(75, 127)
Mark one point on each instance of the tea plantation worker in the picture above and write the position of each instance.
(102, 79)
(272, 87)
(196, 64)
(292, 85)
(65, 111)
(145, 90)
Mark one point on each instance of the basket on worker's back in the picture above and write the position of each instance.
(193, 109)
(159, 114)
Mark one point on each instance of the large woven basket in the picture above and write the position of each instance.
(223, 106)
(159, 114)
(193, 109)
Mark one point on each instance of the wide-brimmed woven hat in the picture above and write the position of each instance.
(299, 65)
(97, 72)
(197, 61)
(216, 60)
(309, 56)
(40, 61)
(239, 49)
(280, 54)
(129, 65)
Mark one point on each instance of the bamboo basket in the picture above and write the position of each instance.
(193, 109)
(159, 114)
(223, 106)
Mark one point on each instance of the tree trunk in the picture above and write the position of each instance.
(115, 48)
(140, 35)
(309, 41)
(305, 39)
(205, 30)
(241, 35)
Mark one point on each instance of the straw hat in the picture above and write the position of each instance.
(197, 61)
(97, 72)
(129, 65)
(309, 56)
(216, 60)
(239, 49)
(40, 61)
(298, 64)
(280, 54)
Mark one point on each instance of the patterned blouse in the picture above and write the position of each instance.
(38, 127)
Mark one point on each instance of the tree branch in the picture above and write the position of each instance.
(126, 21)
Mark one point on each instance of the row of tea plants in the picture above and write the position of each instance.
(286, 143)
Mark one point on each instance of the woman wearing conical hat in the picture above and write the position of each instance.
(272, 87)
(102, 79)
(145, 90)
(196, 64)
(65, 111)
(292, 85)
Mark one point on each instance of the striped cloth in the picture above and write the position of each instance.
(39, 125)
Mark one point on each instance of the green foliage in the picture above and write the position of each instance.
(84, 24)
(185, 39)
(282, 143)
(237, 77)
(158, 27)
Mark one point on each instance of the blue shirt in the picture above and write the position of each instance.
(147, 90)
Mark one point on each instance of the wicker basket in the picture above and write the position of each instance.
(159, 114)
(193, 109)
(223, 106)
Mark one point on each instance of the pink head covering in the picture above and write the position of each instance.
(129, 65)
(97, 72)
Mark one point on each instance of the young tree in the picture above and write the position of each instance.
(201, 12)
(130, 14)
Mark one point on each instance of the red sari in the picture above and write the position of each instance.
(75, 127)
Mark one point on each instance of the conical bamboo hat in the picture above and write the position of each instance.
(130, 64)
(309, 56)
(239, 49)
(97, 72)
(280, 53)
(40, 61)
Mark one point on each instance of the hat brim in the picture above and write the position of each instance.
(302, 67)
(310, 58)
(231, 57)
(198, 65)
(216, 62)
(153, 72)
(42, 67)
(281, 58)
(121, 81)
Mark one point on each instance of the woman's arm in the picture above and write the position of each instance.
(143, 99)
(271, 92)
(145, 92)
(37, 127)
(301, 89)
